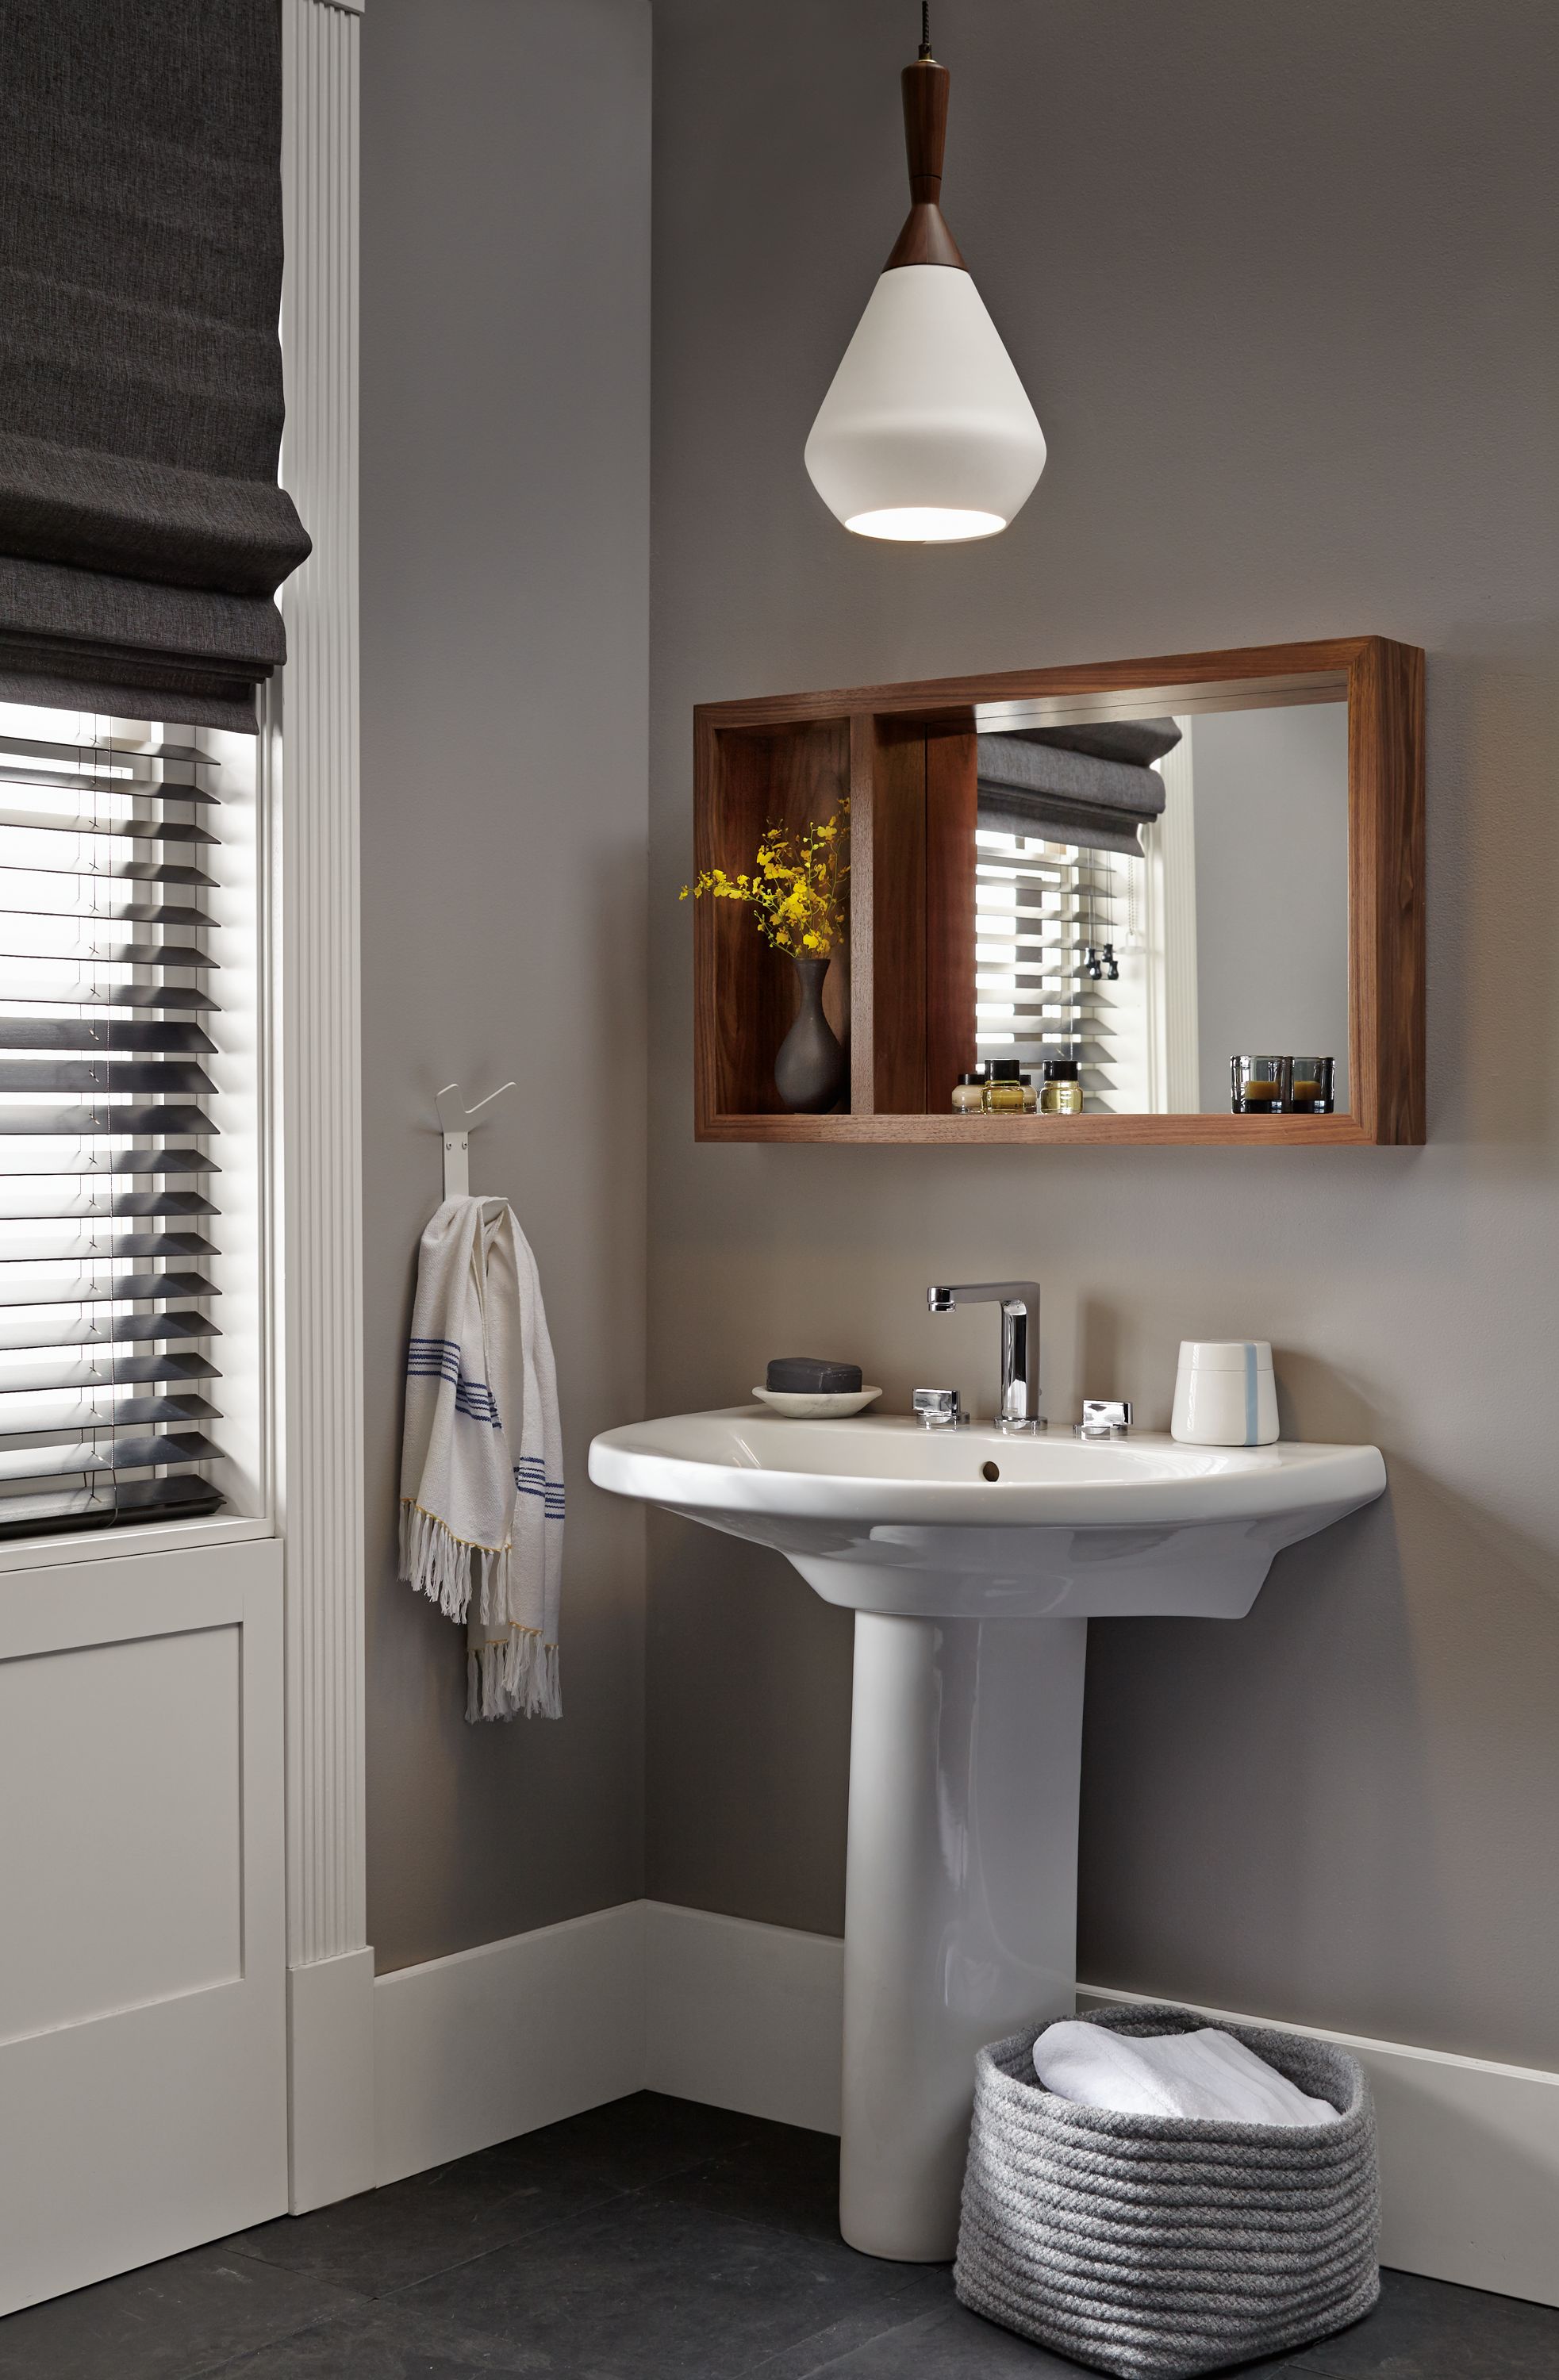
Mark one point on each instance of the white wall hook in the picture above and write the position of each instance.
(456, 1121)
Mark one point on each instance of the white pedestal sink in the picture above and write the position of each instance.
(950, 1546)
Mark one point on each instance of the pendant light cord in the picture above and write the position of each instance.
(925, 28)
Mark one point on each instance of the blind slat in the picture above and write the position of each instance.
(123, 1288)
(19, 1419)
(105, 871)
(82, 823)
(108, 1035)
(41, 1330)
(118, 1246)
(102, 753)
(112, 778)
(87, 950)
(173, 998)
(117, 1454)
(87, 914)
(29, 1199)
(84, 1124)
(107, 1505)
(105, 1371)
(56, 1162)
(107, 1074)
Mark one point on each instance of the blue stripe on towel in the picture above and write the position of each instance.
(439, 1359)
(535, 1483)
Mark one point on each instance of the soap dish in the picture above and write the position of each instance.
(815, 1405)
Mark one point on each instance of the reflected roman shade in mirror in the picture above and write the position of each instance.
(1092, 784)
(142, 532)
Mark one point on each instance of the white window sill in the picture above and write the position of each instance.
(114, 1545)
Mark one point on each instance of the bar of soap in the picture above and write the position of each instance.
(812, 1376)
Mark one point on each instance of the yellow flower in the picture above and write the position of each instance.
(798, 893)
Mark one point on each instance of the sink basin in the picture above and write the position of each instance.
(882, 1514)
(973, 1561)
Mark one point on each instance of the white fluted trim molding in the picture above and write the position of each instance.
(321, 1434)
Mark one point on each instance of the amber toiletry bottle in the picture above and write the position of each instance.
(1003, 1088)
(1063, 1093)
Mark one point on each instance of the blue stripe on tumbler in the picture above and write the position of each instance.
(1251, 1392)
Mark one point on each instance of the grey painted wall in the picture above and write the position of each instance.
(1270, 796)
(504, 577)
(1280, 279)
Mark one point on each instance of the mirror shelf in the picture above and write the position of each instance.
(1265, 890)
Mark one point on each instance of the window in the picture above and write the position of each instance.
(132, 1201)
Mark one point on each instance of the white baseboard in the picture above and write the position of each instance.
(497, 2040)
(500, 2040)
(330, 2066)
(743, 2016)
(1469, 2158)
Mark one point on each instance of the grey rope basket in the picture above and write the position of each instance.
(1158, 2247)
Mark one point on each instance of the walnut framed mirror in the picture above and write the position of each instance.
(1143, 869)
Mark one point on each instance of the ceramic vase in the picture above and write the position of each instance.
(810, 1068)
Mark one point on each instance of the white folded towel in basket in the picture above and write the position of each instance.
(481, 1462)
(1205, 2073)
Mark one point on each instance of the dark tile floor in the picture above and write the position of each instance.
(653, 2239)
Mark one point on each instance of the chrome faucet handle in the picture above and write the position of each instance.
(939, 1408)
(1104, 1417)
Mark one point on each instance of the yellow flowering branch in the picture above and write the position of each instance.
(798, 890)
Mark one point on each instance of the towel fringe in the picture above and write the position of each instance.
(438, 1563)
(516, 1674)
(493, 1596)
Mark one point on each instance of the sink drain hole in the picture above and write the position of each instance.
(990, 1470)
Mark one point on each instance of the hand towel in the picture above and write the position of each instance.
(1205, 2073)
(481, 1462)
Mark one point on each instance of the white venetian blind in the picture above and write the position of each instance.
(108, 1179)
(1040, 908)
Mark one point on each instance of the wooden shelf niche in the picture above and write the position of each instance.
(901, 997)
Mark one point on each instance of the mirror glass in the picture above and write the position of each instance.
(1159, 882)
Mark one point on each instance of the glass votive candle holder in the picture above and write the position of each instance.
(1310, 1085)
(1258, 1085)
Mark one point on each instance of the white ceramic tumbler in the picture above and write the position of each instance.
(1225, 1393)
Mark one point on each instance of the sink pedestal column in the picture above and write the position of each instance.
(960, 1916)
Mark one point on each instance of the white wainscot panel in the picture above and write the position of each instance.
(121, 1861)
(142, 2004)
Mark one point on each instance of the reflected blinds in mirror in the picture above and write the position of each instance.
(1041, 908)
(109, 860)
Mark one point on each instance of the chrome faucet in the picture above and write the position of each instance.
(1019, 1302)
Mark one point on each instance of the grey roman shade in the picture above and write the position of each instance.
(1090, 785)
(142, 533)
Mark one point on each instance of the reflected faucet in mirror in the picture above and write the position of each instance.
(1018, 1404)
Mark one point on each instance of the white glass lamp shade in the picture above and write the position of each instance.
(927, 434)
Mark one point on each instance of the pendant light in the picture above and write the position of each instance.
(926, 434)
